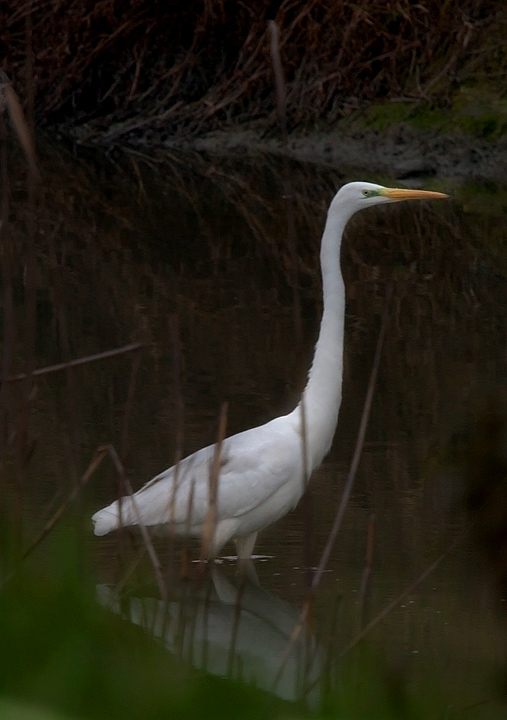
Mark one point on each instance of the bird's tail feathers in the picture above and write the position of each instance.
(108, 518)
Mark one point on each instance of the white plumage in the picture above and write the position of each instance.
(262, 470)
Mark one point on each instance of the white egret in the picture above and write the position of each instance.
(264, 471)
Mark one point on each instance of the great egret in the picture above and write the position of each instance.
(264, 471)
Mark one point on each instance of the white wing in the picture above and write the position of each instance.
(254, 465)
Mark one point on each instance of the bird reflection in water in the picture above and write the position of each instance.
(240, 631)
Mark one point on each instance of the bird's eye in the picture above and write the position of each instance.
(366, 193)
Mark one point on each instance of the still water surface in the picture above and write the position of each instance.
(195, 257)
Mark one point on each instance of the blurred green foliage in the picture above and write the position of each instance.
(63, 656)
(61, 650)
(21, 711)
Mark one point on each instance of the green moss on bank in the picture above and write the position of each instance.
(477, 111)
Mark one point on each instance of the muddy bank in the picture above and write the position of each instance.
(134, 72)
(400, 152)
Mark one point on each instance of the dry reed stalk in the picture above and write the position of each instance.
(179, 434)
(9, 335)
(480, 703)
(392, 605)
(120, 585)
(368, 562)
(30, 90)
(18, 436)
(288, 192)
(179, 407)
(83, 481)
(214, 478)
(120, 469)
(178, 394)
(29, 391)
(134, 369)
(185, 569)
(10, 100)
(61, 314)
(131, 347)
(281, 93)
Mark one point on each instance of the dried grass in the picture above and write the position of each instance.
(150, 71)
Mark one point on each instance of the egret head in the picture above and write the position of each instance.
(355, 196)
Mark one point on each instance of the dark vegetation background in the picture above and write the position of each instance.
(150, 70)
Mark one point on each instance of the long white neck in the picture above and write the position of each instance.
(320, 403)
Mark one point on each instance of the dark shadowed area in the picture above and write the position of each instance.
(194, 257)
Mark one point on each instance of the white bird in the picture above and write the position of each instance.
(265, 470)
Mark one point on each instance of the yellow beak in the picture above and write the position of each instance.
(408, 194)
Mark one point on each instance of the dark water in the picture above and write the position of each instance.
(195, 257)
